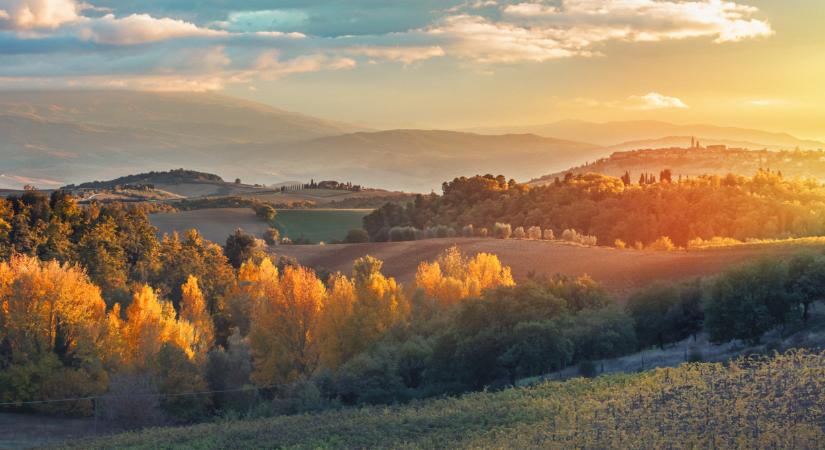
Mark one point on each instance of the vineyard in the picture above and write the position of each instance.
(749, 403)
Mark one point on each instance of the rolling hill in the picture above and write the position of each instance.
(420, 160)
(62, 137)
(635, 134)
(695, 162)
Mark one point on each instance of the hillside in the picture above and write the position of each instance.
(620, 271)
(697, 405)
(616, 133)
(696, 162)
(420, 160)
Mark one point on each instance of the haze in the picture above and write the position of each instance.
(442, 64)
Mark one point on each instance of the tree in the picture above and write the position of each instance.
(357, 236)
(240, 247)
(284, 328)
(193, 310)
(452, 277)
(806, 276)
(746, 302)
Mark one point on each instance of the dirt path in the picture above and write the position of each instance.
(620, 271)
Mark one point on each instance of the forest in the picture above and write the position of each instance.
(97, 311)
(617, 211)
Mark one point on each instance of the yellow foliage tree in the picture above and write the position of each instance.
(336, 322)
(254, 280)
(284, 327)
(453, 277)
(193, 310)
(151, 323)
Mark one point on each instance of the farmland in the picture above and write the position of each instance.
(214, 224)
(620, 271)
(696, 406)
(319, 225)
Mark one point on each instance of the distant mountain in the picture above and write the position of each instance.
(61, 137)
(614, 133)
(55, 138)
(420, 160)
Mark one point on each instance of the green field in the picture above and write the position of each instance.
(693, 406)
(319, 225)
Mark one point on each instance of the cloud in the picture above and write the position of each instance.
(406, 55)
(655, 100)
(538, 31)
(269, 65)
(20, 15)
(140, 29)
(646, 20)
(474, 37)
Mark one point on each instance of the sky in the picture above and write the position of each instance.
(442, 64)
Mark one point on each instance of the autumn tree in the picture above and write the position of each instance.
(452, 276)
(284, 327)
(193, 310)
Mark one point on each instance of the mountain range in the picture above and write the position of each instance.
(53, 138)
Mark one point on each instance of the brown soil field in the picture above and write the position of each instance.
(213, 224)
(620, 271)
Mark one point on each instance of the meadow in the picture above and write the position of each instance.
(750, 403)
(214, 224)
(319, 225)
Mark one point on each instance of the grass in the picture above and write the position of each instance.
(693, 406)
(319, 225)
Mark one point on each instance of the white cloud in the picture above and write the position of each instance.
(21, 15)
(538, 31)
(406, 55)
(474, 37)
(139, 29)
(269, 65)
(655, 100)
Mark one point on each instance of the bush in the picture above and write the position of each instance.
(620, 244)
(272, 236)
(132, 401)
(574, 236)
(439, 231)
(664, 244)
(534, 233)
(549, 235)
(398, 234)
(482, 232)
(357, 236)
(519, 233)
(467, 231)
(502, 230)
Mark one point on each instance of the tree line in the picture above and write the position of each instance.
(765, 206)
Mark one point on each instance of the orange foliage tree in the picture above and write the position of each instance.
(453, 276)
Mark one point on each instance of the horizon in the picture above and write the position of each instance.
(460, 65)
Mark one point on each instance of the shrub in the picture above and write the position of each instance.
(502, 230)
(467, 231)
(132, 401)
(618, 243)
(519, 233)
(534, 233)
(357, 236)
(571, 235)
(695, 356)
(272, 236)
(482, 232)
(549, 235)
(439, 231)
(398, 234)
(664, 244)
